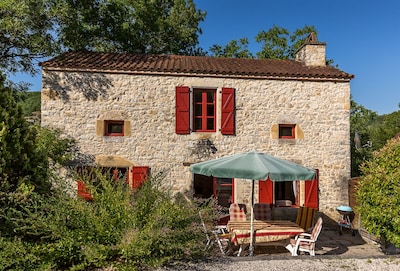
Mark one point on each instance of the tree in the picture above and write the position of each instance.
(25, 34)
(378, 193)
(234, 49)
(277, 43)
(32, 30)
(370, 127)
(362, 121)
(19, 162)
(26, 151)
(140, 26)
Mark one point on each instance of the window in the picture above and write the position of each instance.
(219, 188)
(287, 131)
(204, 110)
(202, 105)
(114, 128)
(223, 191)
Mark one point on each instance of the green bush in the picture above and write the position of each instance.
(121, 227)
(378, 194)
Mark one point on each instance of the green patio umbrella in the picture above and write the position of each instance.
(253, 166)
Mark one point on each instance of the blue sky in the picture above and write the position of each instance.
(362, 38)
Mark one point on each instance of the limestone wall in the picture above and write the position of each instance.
(75, 102)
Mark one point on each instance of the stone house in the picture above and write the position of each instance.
(142, 113)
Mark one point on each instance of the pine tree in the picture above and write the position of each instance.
(20, 162)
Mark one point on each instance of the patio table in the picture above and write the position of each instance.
(264, 231)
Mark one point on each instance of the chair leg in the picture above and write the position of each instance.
(220, 247)
(240, 250)
(290, 248)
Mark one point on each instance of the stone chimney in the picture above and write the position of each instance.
(312, 52)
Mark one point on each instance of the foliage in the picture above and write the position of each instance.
(33, 30)
(130, 26)
(378, 193)
(29, 101)
(27, 151)
(362, 121)
(277, 43)
(371, 127)
(26, 34)
(234, 49)
(20, 161)
(120, 227)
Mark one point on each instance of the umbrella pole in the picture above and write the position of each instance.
(251, 248)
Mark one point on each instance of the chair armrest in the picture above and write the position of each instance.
(303, 236)
(298, 240)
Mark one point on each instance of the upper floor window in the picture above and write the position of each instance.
(204, 110)
(202, 106)
(114, 128)
(287, 131)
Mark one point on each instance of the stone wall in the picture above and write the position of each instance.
(75, 102)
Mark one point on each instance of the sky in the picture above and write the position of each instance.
(362, 37)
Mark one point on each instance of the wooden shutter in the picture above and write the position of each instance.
(182, 106)
(266, 191)
(82, 192)
(139, 175)
(228, 111)
(311, 193)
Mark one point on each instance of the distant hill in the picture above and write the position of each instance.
(30, 102)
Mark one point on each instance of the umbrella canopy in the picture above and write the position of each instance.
(253, 166)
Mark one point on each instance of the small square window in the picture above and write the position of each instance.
(287, 131)
(114, 128)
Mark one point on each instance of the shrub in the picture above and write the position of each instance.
(378, 193)
(120, 227)
(166, 229)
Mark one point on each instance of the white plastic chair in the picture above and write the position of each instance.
(305, 241)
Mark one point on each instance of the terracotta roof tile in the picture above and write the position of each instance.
(191, 65)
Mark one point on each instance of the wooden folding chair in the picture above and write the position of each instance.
(215, 235)
(305, 217)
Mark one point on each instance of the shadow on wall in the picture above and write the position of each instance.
(91, 85)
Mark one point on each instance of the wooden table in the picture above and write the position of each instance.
(264, 231)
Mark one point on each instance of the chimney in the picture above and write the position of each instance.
(312, 52)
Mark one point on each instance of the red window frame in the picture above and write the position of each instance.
(108, 130)
(204, 110)
(287, 131)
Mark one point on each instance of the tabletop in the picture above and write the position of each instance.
(264, 231)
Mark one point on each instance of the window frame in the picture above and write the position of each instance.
(116, 122)
(292, 127)
(224, 122)
(204, 103)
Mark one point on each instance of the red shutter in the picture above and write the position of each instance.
(182, 106)
(228, 111)
(265, 191)
(139, 175)
(82, 192)
(311, 193)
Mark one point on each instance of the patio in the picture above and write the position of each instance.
(329, 243)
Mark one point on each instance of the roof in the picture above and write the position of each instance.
(192, 66)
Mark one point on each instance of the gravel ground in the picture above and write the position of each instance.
(292, 264)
